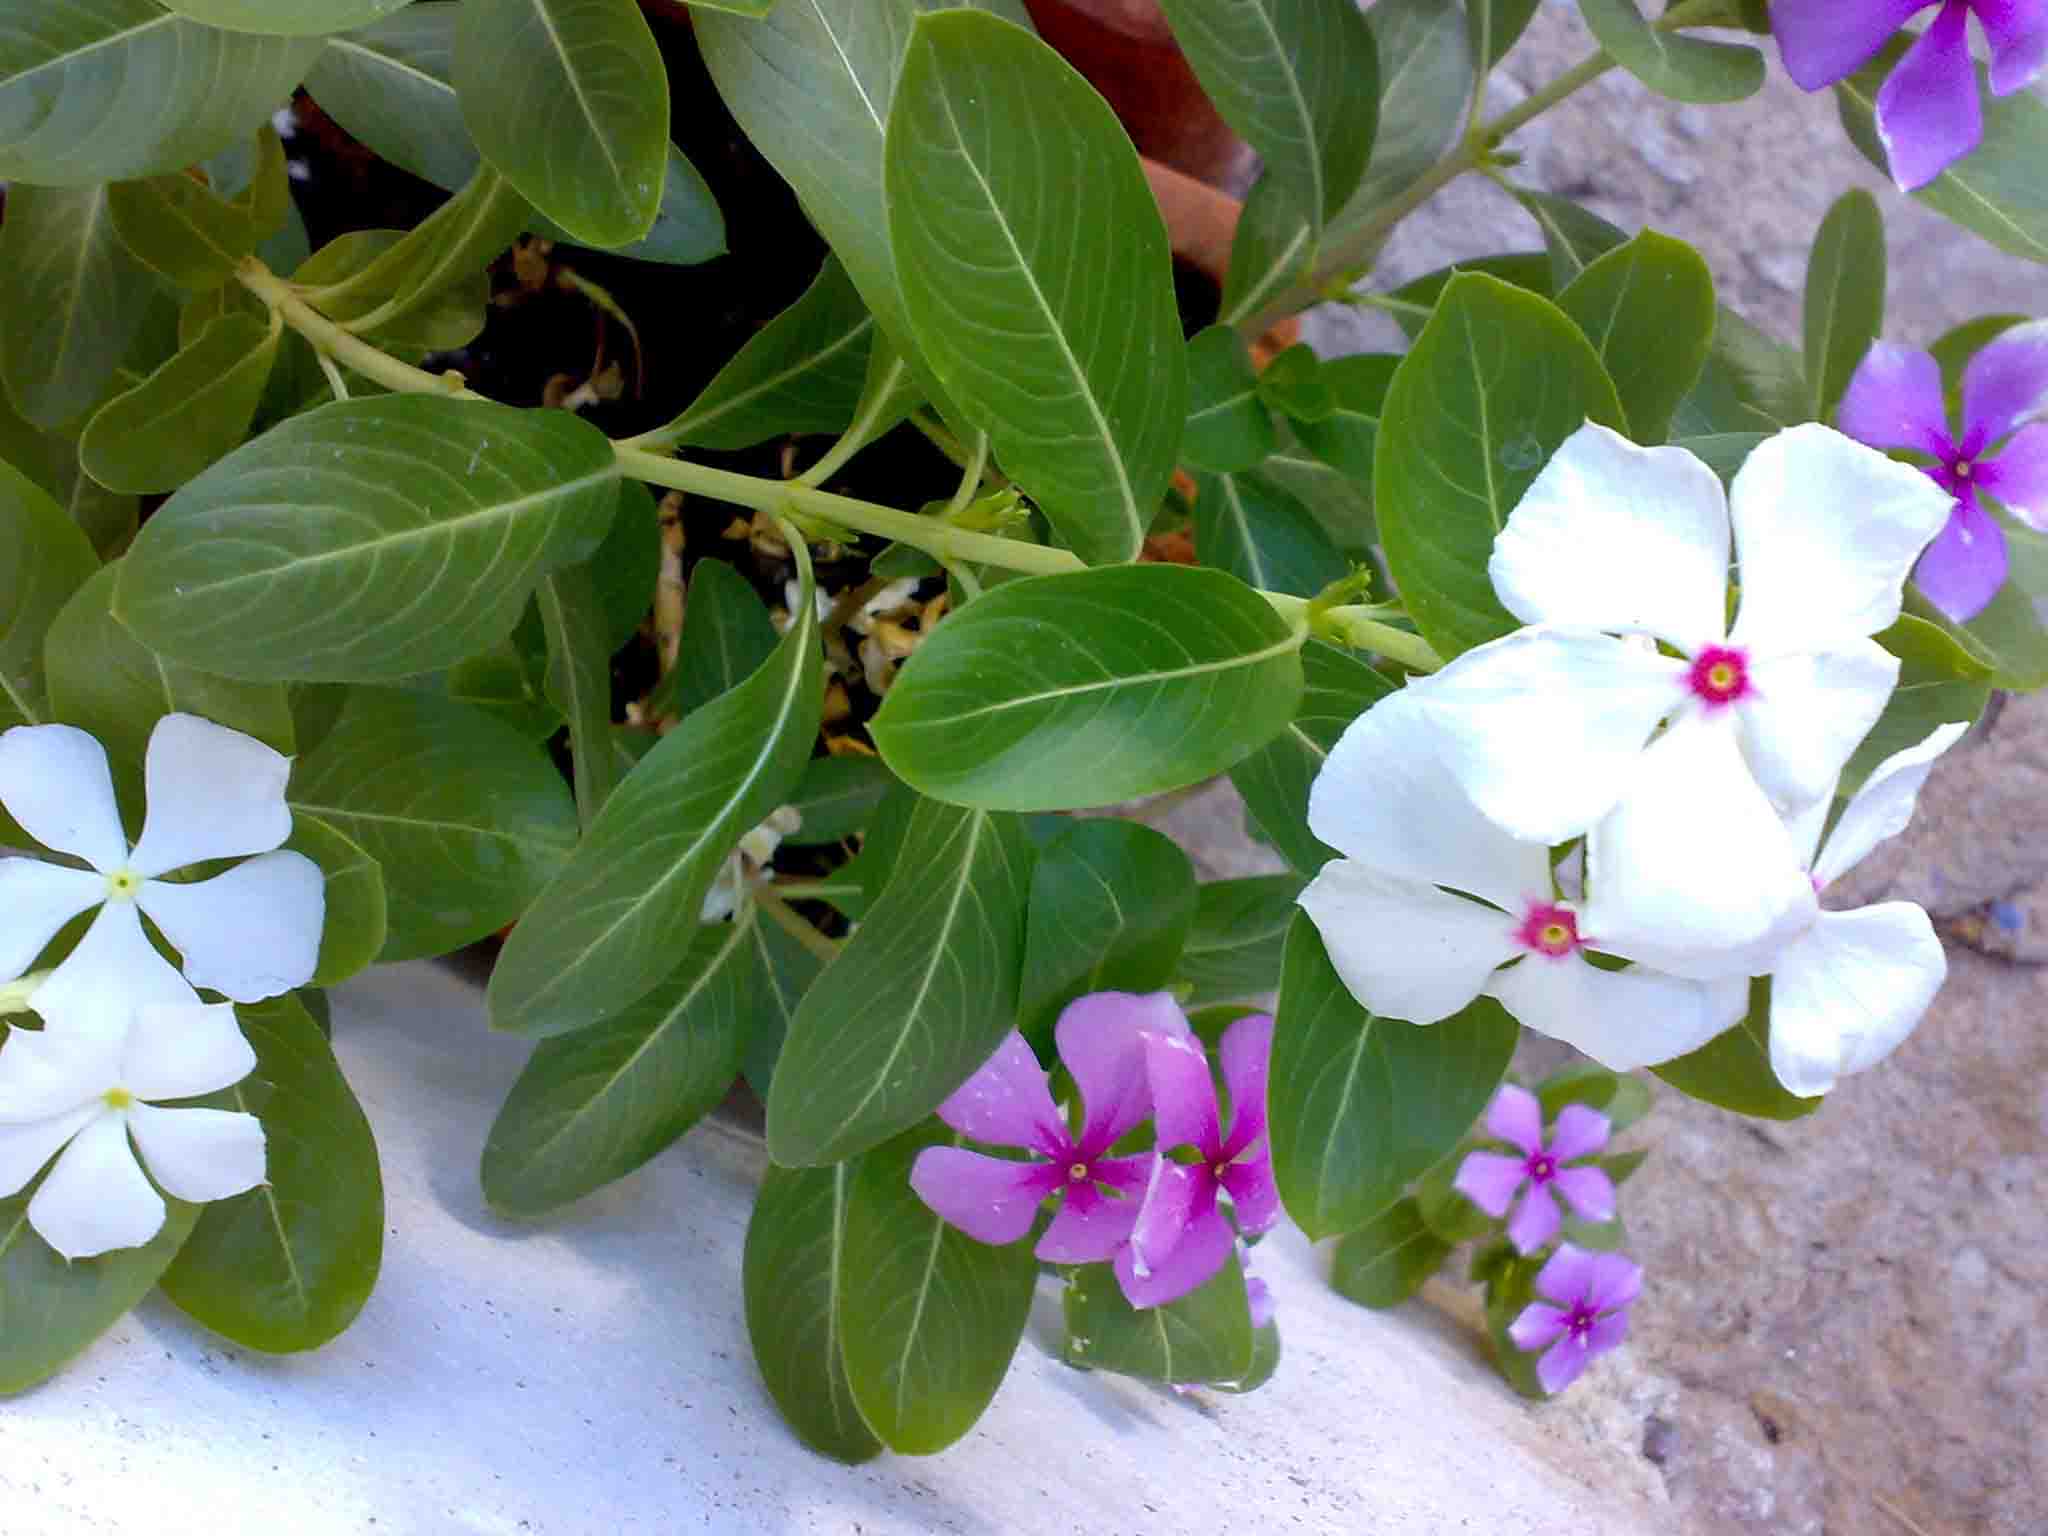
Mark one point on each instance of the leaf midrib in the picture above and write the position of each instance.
(109, 40)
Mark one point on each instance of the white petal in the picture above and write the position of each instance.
(1806, 826)
(1381, 798)
(1825, 533)
(114, 968)
(25, 1148)
(1622, 1019)
(1615, 537)
(213, 794)
(1883, 806)
(1808, 712)
(1406, 950)
(36, 899)
(199, 1154)
(180, 1051)
(1845, 995)
(1543, 727)
(52, 1071)
(54, 782)
(248, 934)
(1693, 873)
(96, 1198)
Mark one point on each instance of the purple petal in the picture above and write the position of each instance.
(1537, 1326)
(1127, 1175)
(1928, 114)
(1894, 401)
(2007, 381)
(1183, 1095)
(2018, 33)
(1580, 1131)
(1588, 1191)
(1100, 1039)
(1489, 1181)
(1175, 1195)
(1822, 41)
(1204, 1248)
(1515, 1116)
(1259, 1296)
(1614, 1281)
(2018, 477)
(1535, 1221)
(1965, 565)
(991, 1200)
(1006, 1103)
(1089, 1228)
(1561, 1364)
(1253, 1195)
(1567, 1276)
(1606, 1333)
(1244, 1053)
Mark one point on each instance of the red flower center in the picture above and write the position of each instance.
(1549, 929)
(1720, 675)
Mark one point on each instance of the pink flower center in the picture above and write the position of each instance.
(1549, 928)
(1579, 1321)
(1720, 675)
(1541, 1167)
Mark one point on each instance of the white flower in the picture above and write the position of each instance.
(249, 933)
(1401, 925)
(88, 1082)
(748, 859)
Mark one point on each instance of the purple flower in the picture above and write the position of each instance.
(1894, 400)
(1592, 1292)
(1006, 1104)
(1257, 1294)
(1181, 1237)
(1927, 112)
(1490, 1181)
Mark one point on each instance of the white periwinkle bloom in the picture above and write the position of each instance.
(82, 1087)
(746, 861)
(249, 933)
(1400, 923)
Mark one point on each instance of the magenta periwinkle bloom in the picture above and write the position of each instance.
(1585, 1313)
(1894, 400)
(1542, 1172)
(1928, 114)
(1182, 1236)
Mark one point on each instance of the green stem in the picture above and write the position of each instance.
(341, 345)
(1355, 625)
(791, 922)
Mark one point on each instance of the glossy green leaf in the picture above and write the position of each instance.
(1733, 1070)
(1036, 275)
(1205, 1336)
(569, 99)
(44, 559)
(1264, 535)
(454, 318)
(1670, 63)
(1234, 948)
(1361, 1105)
(288, 1266)
(881, 844)
(1723, 452)
(592, 1106)
(1845, 281)
(1274, 245)
(467, 819)
(1228, 427)
(354, 924)
(1413, 303)
(726, 634)
(601, 934)
(1940, 682)
(928, 1317)
(790, 1276)
(579, 680)
(313, 554)
(1342, 505)
(1111, 905)
(1497, 381)
(1494, 26)
(780, 971)
(1622, 1099)
(627, 564)
(1425, 68)
(1293, 384)
(1386, 1261)
(1347, 436)
(191, 411)
(1444, 1209)
(1054, 692)
(1648, 309)
(837, 796)
(290, 18)
(49, 460)
(1954, 348)
(181, 229)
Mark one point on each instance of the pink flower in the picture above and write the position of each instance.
(1592, 1293)
(1491, 1181)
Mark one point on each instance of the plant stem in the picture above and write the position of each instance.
(342, 345)
(791, 921)
(1355, 625)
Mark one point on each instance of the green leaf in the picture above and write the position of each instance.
(1037, 282)
(49, 460)
(44, 558)
(77, 300)
(1053, 692)
(1293, 385)
(1228, 427)
(454, 318)
(1670, 63)
(1264, 536)
(184, 416)
(928, 1317)
(593, 1106)
(923, 991)
(1939, 682)
(1340, 504)
(288, 1266)
(1297, 79)
(2010, 635)
(1111, 905)
(1444, 1208)
(1386, 1261)
(1954, 348)
(1752, 383)
(467, 820)
(726, 635)
(1234, 947)
(880, 846)
(1425, 70)
(1494, 26)
(353, 926)
(601, 933)
(570, 100)
(790, 1277)
(1623, 1100)
(1722, 452)
(1648, 309)
(1497, 381)
(311, 553)
(1733, 1070)
(1205, 1336)
(1275, 780)
(1412, 304)
(579, 680)
(1360, 1105)
(106, 90)
(780, 971)
(1845, 280)
(1347, 437)
(837, 796)
(1275, 243)
(181, 229)
(289, 18)
(627, 564)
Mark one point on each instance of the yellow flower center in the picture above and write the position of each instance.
(122, 885)
(1556, 936)
(1721, 676)
(1078, 1172)
(119, 1098)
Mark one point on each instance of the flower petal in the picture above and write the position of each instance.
(52, 1071)
(1259, 1299)
(1807, 713)
(1538, 1325)
(179, 1051)
(1826, 530)
(1406, 951)
(1204, 1248)
(1965, 565)
(24, 1148)
(96, 1199)
(1254, 1197)
(1618, 538)
(1588, 1191)
(199, 1154)
(249, 934)
(1543, 727)
(1089, 1228)
(115, 968)
(1883, 806)
(54, 782)
(1847, 994)
(1614, 1281)
(1489, 1181)
(1622, 1019)
(213, 794)
(1380, 799)
(1006, 1103)
(1822, 41)
(2018, 33)
(2018, 477)
(1184, 1109)
(2006, 381)
(1101, 1041)
(1928, 115)
(36, 899)
(1894, 401)
(1567, 1276)
(1581, 1130)
(1561, 1364)
(1244, 1053)
(1535, 1221)
(1516, 1117)
(991, 1200)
